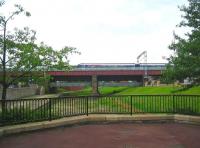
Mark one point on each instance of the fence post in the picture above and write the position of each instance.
(131, 105)
(50, 118)
(173, 103)
(87, 106)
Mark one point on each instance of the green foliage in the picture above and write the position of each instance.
(169, 76)
(21, 56)
(23, 115)
(185, 62)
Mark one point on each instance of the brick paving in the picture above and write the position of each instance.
(118, 135)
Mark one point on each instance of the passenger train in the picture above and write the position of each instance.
(121, 66)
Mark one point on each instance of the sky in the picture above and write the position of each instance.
(104, 31)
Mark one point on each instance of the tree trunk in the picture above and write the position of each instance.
(4, 91)
(4, 73)
(3, 97)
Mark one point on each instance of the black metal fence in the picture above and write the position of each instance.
(29, 110)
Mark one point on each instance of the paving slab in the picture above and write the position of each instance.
(113, 135)
(139, 118)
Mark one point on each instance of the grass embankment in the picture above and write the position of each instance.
(102, 91)
(150, 90)
(161, 90)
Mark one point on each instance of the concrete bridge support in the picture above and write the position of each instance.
(95, 85)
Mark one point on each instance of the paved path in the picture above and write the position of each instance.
(121, 135)
(42, 96)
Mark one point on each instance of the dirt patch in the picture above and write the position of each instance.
(121, 135)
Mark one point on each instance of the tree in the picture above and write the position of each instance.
(185, 62)
(20, 56)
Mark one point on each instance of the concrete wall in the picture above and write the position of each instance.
(16, 93)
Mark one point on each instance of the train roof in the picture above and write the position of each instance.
(118, 64)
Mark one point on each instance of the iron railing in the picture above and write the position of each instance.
(29, 110)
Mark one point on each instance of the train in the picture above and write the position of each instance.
(121, 66)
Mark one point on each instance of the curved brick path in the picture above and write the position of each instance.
(109, 136)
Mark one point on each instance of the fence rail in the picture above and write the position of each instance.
(30, 110)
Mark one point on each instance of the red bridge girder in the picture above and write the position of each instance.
(105, 73)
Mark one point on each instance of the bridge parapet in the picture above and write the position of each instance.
(102, 72)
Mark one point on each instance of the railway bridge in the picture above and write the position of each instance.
(97, 73)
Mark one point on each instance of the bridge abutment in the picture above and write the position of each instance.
(95, 85)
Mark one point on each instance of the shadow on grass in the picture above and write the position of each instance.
(115, 92)
(182, 89)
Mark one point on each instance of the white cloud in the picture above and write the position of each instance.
(104, 30)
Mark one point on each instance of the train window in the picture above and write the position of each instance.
(137, 65)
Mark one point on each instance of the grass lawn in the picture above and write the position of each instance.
(150, 90)
(84, 92)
